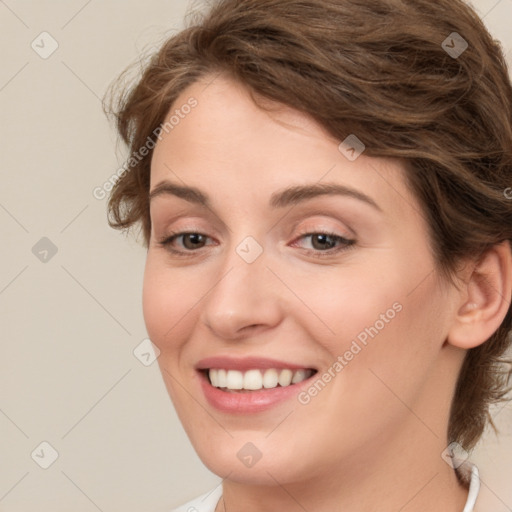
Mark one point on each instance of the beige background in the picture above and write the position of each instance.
(69, 326)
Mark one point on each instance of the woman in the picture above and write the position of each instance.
(321, 186)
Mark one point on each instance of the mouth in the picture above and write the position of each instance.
(256, 379)
(251, 385)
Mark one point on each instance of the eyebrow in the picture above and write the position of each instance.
(280, 199)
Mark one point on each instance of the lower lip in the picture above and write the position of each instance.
(251, 401)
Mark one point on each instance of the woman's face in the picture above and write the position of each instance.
(271, 279)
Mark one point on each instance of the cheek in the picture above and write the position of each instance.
(168, 302)
(386, 340)
(378, 316)
(347, 305)
(400, 340)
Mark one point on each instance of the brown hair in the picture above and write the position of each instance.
(379, 69)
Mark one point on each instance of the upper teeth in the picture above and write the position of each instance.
(256, 379)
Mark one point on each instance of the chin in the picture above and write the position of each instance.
(258, 463)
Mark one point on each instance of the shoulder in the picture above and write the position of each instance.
(205, 503)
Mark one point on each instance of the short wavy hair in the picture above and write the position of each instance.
(390, 71)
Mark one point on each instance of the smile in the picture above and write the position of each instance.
(256, 379)
(251, 384)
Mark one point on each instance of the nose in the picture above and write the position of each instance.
(244, 299)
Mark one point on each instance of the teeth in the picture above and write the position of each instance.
(299, 376)
(270, 378)
(285, 377)
(234, 379)
(222, 378)
(254, 380)
(214, 378)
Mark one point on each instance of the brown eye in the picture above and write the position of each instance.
(323, 242)
(193, 241)
(184, 243)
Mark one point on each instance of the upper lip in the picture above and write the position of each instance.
(247, 363)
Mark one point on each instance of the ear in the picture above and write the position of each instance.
(485, 298)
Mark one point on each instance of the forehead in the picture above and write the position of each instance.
(226, 139)
(227, 105)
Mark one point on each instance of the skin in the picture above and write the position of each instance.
(372, 438)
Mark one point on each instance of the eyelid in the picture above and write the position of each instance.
(320, 221)
(325, 231)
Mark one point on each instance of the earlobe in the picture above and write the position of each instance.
(485, 298)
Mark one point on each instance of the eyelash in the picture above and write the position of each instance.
(346, 243)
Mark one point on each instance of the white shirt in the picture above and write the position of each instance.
(207, 502)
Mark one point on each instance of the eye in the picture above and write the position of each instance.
(322, 243)
(325, 244)
(190, 242)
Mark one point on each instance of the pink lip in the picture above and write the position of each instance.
(253, 401)
(246, 363)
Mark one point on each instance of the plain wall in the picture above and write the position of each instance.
(70, 323)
